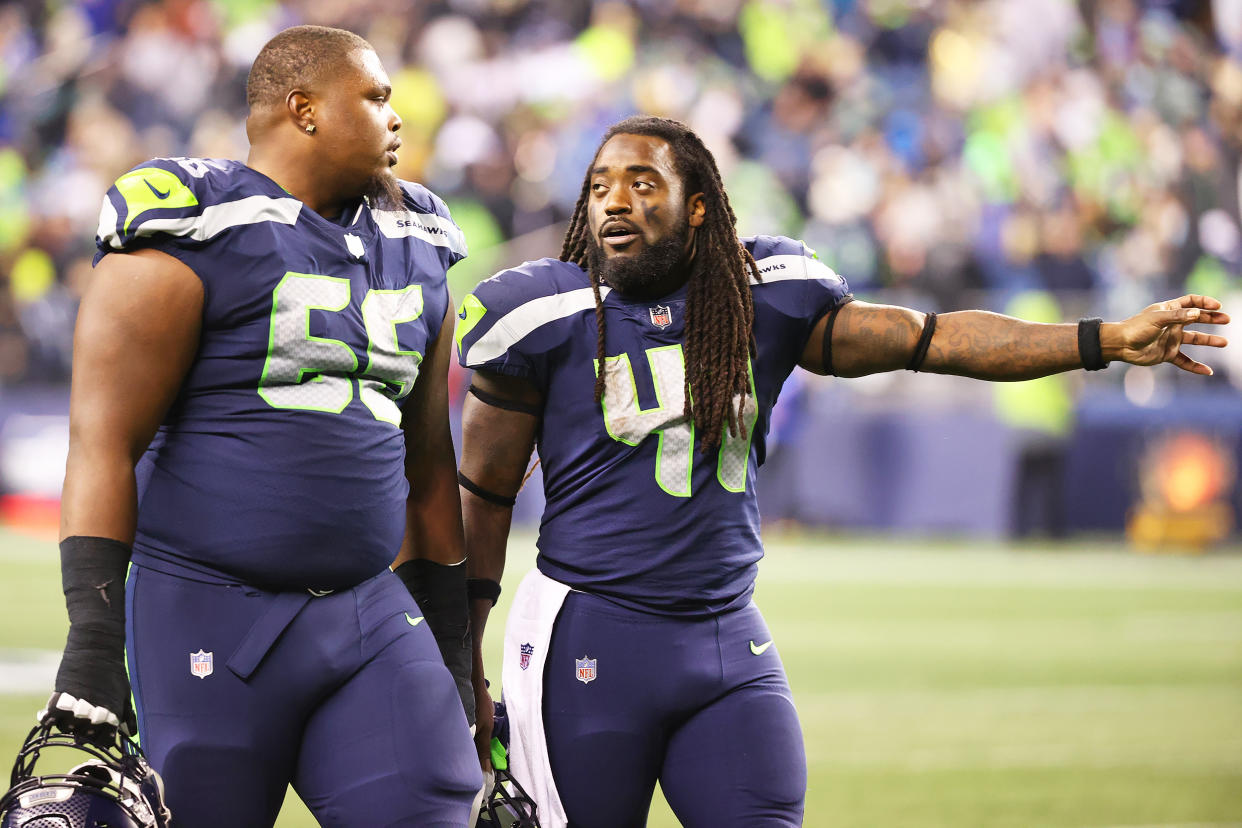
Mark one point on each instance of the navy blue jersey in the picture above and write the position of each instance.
(281, 461)
(635, 511)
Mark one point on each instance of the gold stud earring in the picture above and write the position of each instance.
(310, 129)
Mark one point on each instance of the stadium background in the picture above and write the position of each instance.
(951, 576)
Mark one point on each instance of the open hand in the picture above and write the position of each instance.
(1157, 333)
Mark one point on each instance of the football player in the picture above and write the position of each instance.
(644, 364)
(268, 341)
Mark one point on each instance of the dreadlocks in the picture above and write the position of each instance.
(719, 309)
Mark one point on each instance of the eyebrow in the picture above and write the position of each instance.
(635, 168)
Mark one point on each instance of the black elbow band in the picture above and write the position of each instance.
(1089, 344)
(478, 491)
(482, 589)
(507, 405)
(920, 350)
(93, 576)
(826, 348)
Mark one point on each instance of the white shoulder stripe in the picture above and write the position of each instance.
(107, 221)
(214, 220)
(793, 266)
(518, 323)
(428, 227)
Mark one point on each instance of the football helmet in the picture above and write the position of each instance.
(506, 805)
(111, 786)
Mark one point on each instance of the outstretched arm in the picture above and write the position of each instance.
(870, 339)
(497, 439)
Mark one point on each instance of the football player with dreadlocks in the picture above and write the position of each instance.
(644, 363)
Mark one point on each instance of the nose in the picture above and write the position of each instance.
(394, 120)
(617, 201)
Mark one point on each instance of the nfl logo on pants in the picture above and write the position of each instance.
(200, 664)
(586, 669)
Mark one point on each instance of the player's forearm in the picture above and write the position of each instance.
(433, 524)
(100, 496)
(991, 346)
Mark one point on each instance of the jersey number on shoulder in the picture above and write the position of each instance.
(627, 422)
(314, 373)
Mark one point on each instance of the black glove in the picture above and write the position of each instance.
(92, 689)
(440, 591)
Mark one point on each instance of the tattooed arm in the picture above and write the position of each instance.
(869, 339)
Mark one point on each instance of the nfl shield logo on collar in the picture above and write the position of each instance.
(354, 245)
(524, 658)
(201, 664)
(661, 316)
(586, 669)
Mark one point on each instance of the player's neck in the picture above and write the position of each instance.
(299, 179)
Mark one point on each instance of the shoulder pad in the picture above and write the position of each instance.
(781, 259)
(186, 199)
(425, 217)
(504, 310)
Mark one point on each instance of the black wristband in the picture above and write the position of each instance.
(920, 349)
(440, 591)
(93, 665)
(1089, 344)
(479, 589)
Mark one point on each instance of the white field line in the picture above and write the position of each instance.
(25, 672)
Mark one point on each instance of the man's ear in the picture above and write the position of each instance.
(301, 110)
(696, 209)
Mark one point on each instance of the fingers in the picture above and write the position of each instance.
(1187, 364)
(1194, 300)
(1207, 340)
(72, 713)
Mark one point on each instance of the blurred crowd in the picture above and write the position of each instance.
(947, 152)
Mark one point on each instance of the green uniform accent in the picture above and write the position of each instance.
(500, 757)
(150, 188)
(468, 315)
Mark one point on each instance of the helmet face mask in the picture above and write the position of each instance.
(507, 805)
(111, 785)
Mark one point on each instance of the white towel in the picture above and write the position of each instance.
(531, 616)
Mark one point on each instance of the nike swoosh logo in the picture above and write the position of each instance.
(156, 192)
(413, 622)
(760, 649)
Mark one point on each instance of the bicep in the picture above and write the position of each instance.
(866, 339)
(136, 335)
(497, 441)
(425, 419)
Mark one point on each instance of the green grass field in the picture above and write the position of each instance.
(939, 684)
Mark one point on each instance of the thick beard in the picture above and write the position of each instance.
(640, 276)
(384, 191)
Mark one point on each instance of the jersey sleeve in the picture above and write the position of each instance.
(794, 283)
(511, 322)
(179, 205)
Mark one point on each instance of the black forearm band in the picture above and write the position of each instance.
(440, 590)
(478, 491)
(507, 405)
(920, 350)
(826, 348)
(482, 589)
(1089, 344)
(93, 576)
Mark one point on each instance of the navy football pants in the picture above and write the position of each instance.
(341, 695)
(702, 705)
